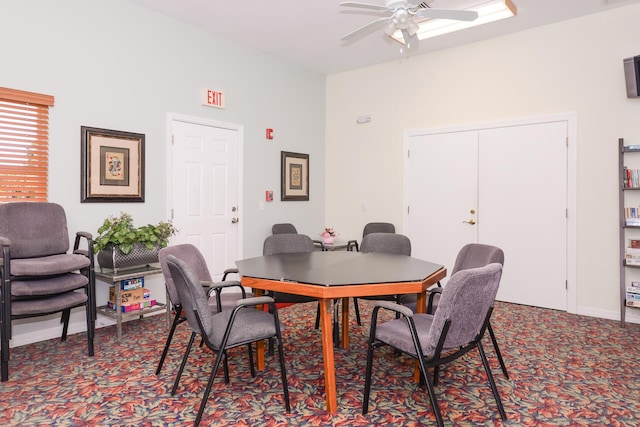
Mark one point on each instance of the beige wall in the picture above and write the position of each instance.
(573, 66)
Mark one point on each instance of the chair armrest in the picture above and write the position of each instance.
(88, 252)
(353, 244)
(406, 311)
(218, 286)
(432, 293)
(229, 271)
(5, 241)
(245, 302)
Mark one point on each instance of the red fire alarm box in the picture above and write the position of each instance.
(269, 133)
(269, 196)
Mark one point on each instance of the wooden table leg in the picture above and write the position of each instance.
(421, 307)
(345, 322)
(326, 327)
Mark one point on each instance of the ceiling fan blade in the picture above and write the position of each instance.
(458, 15)
(378, 23)
(364, 5)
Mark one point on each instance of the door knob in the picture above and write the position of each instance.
(234, 220)
(471, 221)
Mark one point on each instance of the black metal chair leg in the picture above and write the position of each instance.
(183, 363)
(176, 321)
(497, 349)
(221, 355)
(283, 374)
(492, 382)
(66, 314)
(318, 317)
(357, 308)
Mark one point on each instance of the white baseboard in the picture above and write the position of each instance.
(632, 316)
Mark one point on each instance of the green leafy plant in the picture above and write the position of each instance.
(119, 232)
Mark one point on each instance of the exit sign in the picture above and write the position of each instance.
(213, 98)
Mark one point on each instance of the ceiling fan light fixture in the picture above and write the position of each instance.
(488, 11)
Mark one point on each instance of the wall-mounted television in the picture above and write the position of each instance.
(632, 76)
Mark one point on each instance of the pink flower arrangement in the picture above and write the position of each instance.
(329, 232)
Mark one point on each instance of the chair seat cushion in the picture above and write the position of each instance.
(48, 305)
(396, 333)
(249, 325)
(48, 265)
(47, 286)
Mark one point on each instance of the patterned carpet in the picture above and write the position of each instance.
(566, 370)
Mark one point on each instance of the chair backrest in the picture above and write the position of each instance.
(465, 301)
(378, 227)
(287, 243)
(192, 295)
(35, 229)
(284, 228)
(476, 255)
(386, 243)
(190, 255)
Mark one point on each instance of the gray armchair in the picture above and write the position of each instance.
(228, 329)
(217, 299)
(472, 255)
(372, 227)
(39, 275)
(456, 328)
(386, 243)
(283, 228)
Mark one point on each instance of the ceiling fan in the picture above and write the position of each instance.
(401, 15)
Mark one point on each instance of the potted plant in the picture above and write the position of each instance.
(119, 244)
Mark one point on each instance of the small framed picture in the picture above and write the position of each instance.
(112, 168)
(294, 176)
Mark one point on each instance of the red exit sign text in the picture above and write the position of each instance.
(214, 98)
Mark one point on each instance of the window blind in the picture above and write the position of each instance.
(24, 145)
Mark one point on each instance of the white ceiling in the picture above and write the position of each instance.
(308, 32)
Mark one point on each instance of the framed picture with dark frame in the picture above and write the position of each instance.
(295, 176)
(112, 166)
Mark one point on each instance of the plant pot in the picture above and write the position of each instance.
(112, 257)
(329, 239)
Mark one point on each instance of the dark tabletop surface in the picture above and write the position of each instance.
(338, 268)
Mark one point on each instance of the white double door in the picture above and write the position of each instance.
(205, 190)
(503, 186)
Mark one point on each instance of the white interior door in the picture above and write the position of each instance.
(515, 179)
(437, 213)
(205, 191)
(523, 210)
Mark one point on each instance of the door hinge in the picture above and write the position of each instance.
(172, 214)
(566, 141)
(566, 213)
(566, 284)
(172, 140)
(408, 209)
(408, 154)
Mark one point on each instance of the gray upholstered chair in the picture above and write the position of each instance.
(283, 228)
(283, 244)
(387, 243)
(472, 255)
(217, 301)
(372, 227)
(456, 328)
(227, 329)
(287, 228)
(39, 275)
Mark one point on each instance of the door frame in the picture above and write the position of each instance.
(173, 117)
(571, 119)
